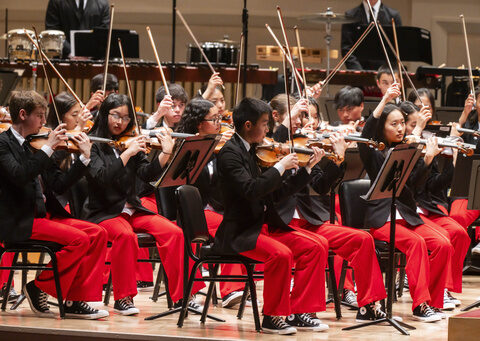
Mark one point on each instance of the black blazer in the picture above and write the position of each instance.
(111, 185)
(350, 34)
(248, 197)
(209, 186)
(20, 193)
(65, 16)
(315, 208)
(434, 191)
(57, 182)
(378, 211)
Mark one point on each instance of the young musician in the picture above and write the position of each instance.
(69, 111)
(96, 91)
(426, 97)
(170, 108)
(113, 202)
(433, 202)
(384, 78)
(349, 105)
(427, 274)
(213, 92)
(279, 110)
(24, 211)
(251, 226)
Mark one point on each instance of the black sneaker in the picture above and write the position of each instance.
(37, 299)
(233, 298)
(125, 306)
(305, 322)
(452, 299)
(276, 325)
(439, 313)
(424, 313)
(144, 286)
(81, 310)
(370, 312)
(12, 295)
(350, 297)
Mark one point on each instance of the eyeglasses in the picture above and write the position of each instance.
(215, 119)
(116, 117)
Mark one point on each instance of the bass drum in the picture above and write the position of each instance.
(52, 43)
(19, 47)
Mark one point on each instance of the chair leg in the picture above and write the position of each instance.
(343, 275)
(211, 286)
(108, 290)
(186, 295)
(41, 259)
(253, 294)
(333, 284)
(243, 303)
(57, 284)
(25, 272)
(156, 288)
(402, 275)
(167, 289)
(9, 282)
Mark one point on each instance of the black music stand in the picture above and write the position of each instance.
(8, 81)
(389, 183)
(191, 156)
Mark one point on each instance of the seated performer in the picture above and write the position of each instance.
(426, 97)
(384, 78)
(96, 90)
(214, 93)
(24, 211)
(433, 203)
(170, 108)
(113, 203)
(251, 226)
(427, 274)
(349, 105)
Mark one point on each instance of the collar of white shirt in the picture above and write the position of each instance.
(17, 135)
(375, 8)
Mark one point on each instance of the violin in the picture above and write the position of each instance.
(4, 126)
(322, 140)
(224, 128)
(227, 118)
(5, 116)
(464, 148)
(270, 152)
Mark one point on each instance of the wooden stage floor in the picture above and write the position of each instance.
(21, 324)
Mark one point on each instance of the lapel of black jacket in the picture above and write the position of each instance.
(247, 157)
(382, 16)
(17, 149)
(74, 8)
(363, 15)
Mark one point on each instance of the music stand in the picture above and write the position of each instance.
(389, 183)
(189, 159)
(8, 81)
(463, 168)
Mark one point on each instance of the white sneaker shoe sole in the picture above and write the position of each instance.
(128, 312)
(100, 314)
(234, 299)
(286, 331)
(434, 318)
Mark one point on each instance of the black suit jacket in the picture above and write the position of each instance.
(248, 196)
(434, 191)
(350, 34)
(378, 211)
(314, 207)
(65, 16)
(209, 186)
(111, 185)
(20, 193)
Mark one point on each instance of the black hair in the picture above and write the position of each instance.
(64, 102)
(412, 97)
(97, 83)
(205, 86)
(312, 101)
(348, 97)
(384, 69)
(249, 109)
(100, 128)
(408, 108)
(176, 91)
(194, 113)
(379, 133)
(26, 100)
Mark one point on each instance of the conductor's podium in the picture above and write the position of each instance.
(464, 326)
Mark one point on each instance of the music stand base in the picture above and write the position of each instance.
(178, 310)
(396, 324)
(471, 306)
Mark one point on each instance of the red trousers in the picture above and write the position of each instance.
(427, 275)
(460, 241)
(464, 216)
(358, 248)
(84, 249)
(280, 250)
(7, 259)
(348, 283)
(145, 270)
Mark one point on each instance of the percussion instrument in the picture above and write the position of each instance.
(19, 47)
(52, 43)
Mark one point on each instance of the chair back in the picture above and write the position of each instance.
(166, 203)
(77, 197)
(352, 207)
(191, 216)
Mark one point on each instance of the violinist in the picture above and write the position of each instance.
(201, 117)
(214, 93)
(170, 108)
(251, 226)
(281, 133)
(432, 201)
(384, 78)
(310, 214)
(113, 202)
(426, 98)
(96, 90)
(279, 111)
(69, 112)
(313, 117)
(25, 213)
(349, 103)
(427, 274)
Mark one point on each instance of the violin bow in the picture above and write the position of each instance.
(285, 80)
(239, 63)
(397, 50)
(107, 57)
(195, 41)
(389, 43)
(160, 68)
(45, 58)
(300, 56)
(49, 85)
(470, 74)
(130, 94)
